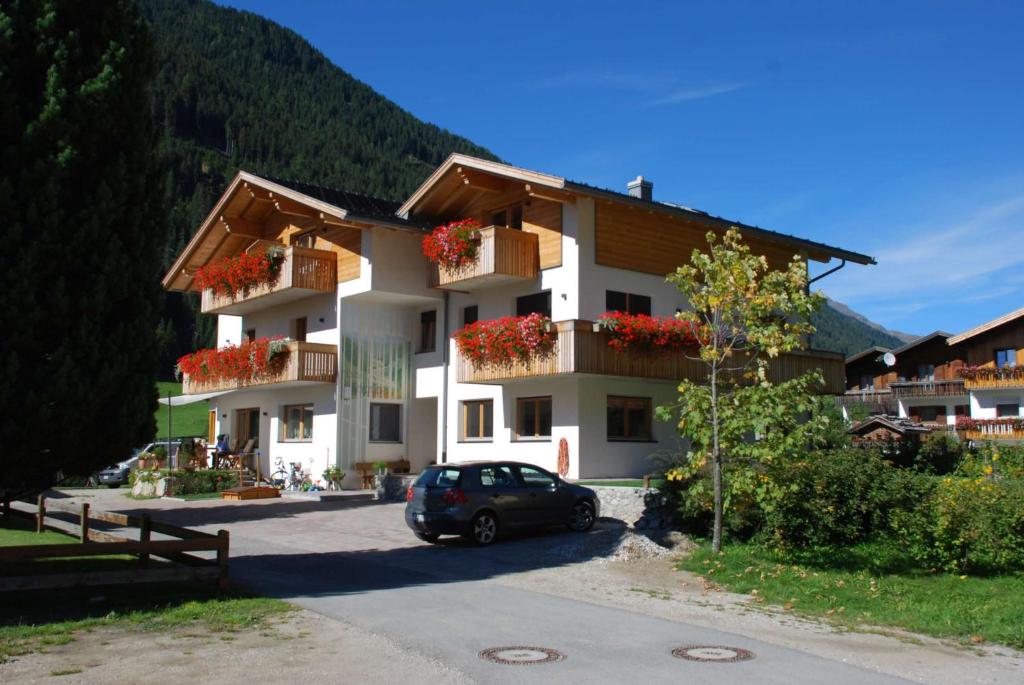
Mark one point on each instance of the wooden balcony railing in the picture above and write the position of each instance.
(1006, 379)
(938, 388)
(993, 433)
(880, 401)
(582, 350)
(307, 362)
(303, 273)
(505, 255)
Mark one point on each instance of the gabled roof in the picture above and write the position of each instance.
(863, 353)
(227, 227)
(540, 181)
(986, 327)
(898, 425)
(920, 341)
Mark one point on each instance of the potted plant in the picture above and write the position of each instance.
(333, 475)
(380, 479)
(453, 245)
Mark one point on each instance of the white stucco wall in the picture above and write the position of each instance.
(907, 404)
(983, 403)
(315, 455)
(321, 319)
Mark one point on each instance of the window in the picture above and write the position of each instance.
(297, 423)
(629, 303)
(1007, 411)
(533, 418)
(307, 239)
(470, 314)
(629, 418)
(478, 420)
(929, 413)
(961, 410)
(926, 372)
(538, 302)
(510, 217)
(440, 477)
(1007, 357)
(497, 477)
(428, 331)
(250, 334)
(867, 382)
(535, 478)
(385, 422)
(299, 329)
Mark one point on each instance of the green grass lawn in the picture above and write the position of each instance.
(874, 585)
(32, 621)
(186, 420)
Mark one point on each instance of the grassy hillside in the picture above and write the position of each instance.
(186, 420)
(838, 332)
(235, 90)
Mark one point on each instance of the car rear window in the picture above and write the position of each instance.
(440, 478)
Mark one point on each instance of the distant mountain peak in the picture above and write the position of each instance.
(844, 309)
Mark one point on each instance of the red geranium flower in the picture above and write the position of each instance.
(453, 245)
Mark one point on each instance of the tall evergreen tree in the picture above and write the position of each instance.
(81, 196)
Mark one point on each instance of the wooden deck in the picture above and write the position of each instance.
(505, 255)
(307, 362)
(582, 350)
(937, 388)
(305, 272)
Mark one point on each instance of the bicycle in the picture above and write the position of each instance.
(278, 479)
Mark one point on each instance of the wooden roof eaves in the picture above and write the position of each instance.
(986, 327)
(496, 168)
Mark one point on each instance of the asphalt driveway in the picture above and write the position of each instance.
(359, 563)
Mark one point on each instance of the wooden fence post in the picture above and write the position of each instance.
(85, 522)
(41, 513)
(145, 532)
(222, 559)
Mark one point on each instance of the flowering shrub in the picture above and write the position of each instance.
(501, 342)
(966, 423)
(991, 373)
(249, 361)
(232, 275)
(647, 335)
(453, 245)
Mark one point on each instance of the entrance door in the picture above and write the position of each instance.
(247, 426)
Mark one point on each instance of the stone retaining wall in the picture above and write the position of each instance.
(640, 508)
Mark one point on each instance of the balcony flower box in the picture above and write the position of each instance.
(505, 342)
(992, 374)
(240, 274)
(453, 245)
(648, 336)
(246, 362)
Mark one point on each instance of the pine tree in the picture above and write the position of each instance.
(81, 196)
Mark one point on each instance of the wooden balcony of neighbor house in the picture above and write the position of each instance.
(992, 429)
(991, 378)
(880, 401)
(505, 255)
(303, 273)
(580, 349)
(938, 388)
(306, 363)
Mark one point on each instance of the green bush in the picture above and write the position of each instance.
(690, 498)
(190, 482)
(940, 453)
(836, 498)
(974, 521)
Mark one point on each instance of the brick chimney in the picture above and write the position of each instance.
(641, 188)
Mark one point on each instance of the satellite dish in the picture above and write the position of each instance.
(889, 358)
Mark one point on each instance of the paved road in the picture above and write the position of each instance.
(359, 564)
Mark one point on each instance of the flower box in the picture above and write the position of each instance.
(453, 245)
(503, 342)
(648, 336)
(248, 361)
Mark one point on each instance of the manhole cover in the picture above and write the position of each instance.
(515, 656)
(712, 653)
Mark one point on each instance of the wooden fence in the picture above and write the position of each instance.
(97, 543)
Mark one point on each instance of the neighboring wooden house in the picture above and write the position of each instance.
(880, 428)
(867, 384)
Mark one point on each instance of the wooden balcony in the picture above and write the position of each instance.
(1008, 381)
(993, 433)
(304, 272)
(306, 363)
(879, 401)
(505, 255)
(939, 388)
(582, 350)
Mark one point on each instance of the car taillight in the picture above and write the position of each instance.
(408, 494)
(454, 496)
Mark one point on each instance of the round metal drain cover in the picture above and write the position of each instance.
(521, 656)
(712, 653)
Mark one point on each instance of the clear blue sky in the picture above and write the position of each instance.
(891, 128)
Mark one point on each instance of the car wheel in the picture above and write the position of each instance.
(485, 528)
(581, 518)
(426, 537)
